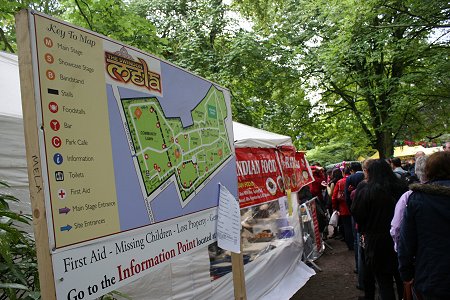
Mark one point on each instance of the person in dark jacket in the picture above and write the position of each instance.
(424, 245)
(373, 209)
(351, 183)
(353, 180)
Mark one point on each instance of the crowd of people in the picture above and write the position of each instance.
(396, 219)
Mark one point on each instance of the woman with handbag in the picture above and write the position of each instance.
(336, 175)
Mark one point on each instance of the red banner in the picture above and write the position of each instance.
(296, 171)
(311, 204)
(304, 172)
(290, 167)
(259, 176)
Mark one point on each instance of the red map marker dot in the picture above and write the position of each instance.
(138, 113)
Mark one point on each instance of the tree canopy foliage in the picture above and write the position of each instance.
(360, 73)
(379, 64)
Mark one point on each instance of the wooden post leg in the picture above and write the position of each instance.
(237, 264)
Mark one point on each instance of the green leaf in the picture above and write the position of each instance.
(4, 183)
(34, 295)
(16, 286)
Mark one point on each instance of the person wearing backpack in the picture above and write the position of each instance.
(396, 165)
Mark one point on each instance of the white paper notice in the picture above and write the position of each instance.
(228, 222)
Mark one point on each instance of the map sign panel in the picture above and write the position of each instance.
(133, 150)
(164, 151)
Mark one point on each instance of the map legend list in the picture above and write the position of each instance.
(76, 133)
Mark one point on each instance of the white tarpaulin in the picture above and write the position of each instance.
(13, 166)
(277, 274)
(247, 136)
(10, 103)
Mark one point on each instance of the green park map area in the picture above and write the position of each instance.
(164, 148)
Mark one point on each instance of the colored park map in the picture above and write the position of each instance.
(164, 151)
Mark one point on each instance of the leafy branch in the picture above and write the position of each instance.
(18, 264)
(8, 46)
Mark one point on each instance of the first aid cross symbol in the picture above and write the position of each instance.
(61, 194)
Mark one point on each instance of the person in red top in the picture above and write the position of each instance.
(316, 186)
(339, 204)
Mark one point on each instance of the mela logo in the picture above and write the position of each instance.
(121, 67)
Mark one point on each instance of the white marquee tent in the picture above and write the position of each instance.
(13, 166)
(247, 136)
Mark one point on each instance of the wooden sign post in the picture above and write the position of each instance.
(237, 265)
(35, 172)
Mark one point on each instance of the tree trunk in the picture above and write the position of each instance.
(384, 144)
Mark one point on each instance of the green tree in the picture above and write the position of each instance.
(265, 92)
(381, 61)
(205, 40)
(336, 151)
(8, 9)
(192, 28)
(115, 19)
(112, 18)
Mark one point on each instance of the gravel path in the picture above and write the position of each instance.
(337, 280)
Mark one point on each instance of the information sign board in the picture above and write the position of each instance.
(131, 150)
